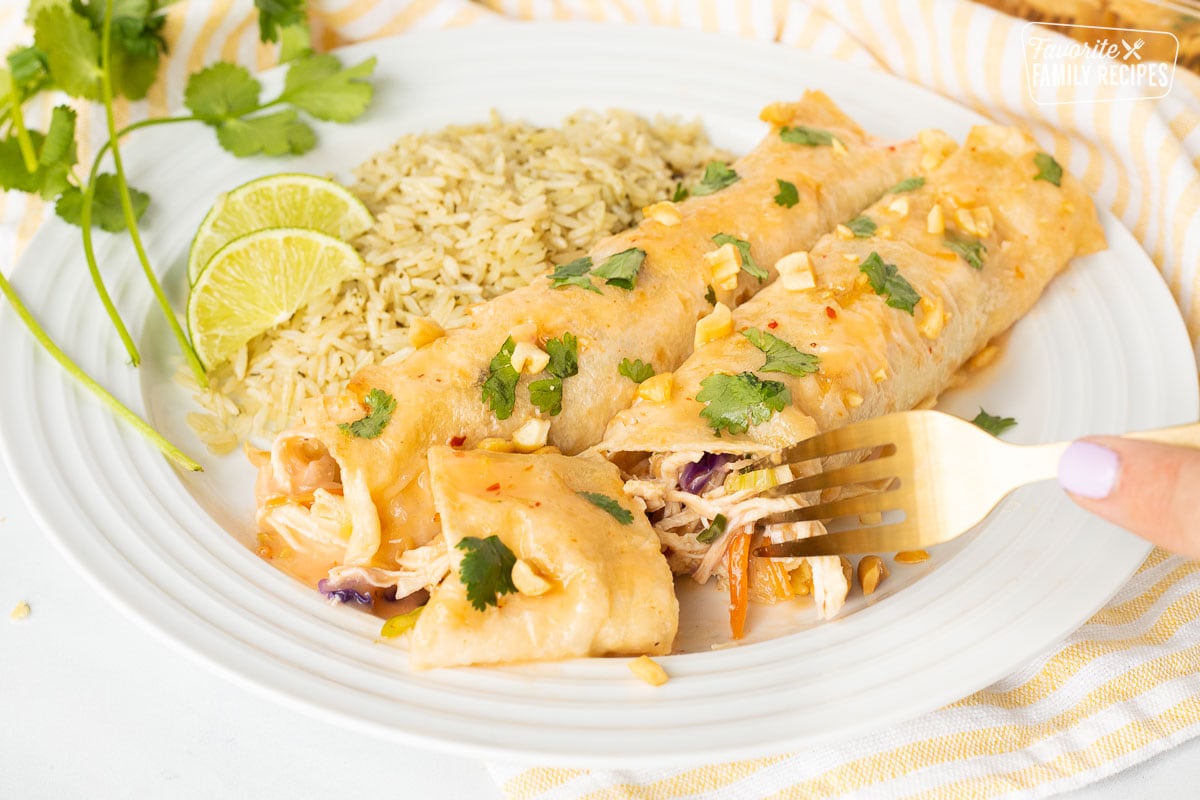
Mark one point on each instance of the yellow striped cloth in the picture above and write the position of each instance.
(1120, 689)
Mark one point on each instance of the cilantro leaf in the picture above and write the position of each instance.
(862, 226)
(713, 531)
(603, 501)
(380, 406)
(717, 175)
(486, 570)
(318, 85)
(735, 402)
(1049, 170)
(622, 268)
(993, 425)
(788, 196)
(886, 280)
(574, 274)
(277, 134)
(799, 134)
(72, 50)
(781, 356)
(133, 74)
(295, 41)
(106, 204)
(500, 388)
(30, 73)
(221, 91)
(274, 15)
(749, 266)
(971, 250)
(137, 41)
(46, 180)
(680, 194)
(59, 144)
(710, 295)
(637, 370)
(564, 356)
(546, 395)
(907, 185)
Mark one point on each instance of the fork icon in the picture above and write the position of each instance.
(1132, 50)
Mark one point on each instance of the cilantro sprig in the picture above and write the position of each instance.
(1049, 170)
(380, 406)
(500, 386)
(749, 265)
(907, 185)
(788, 195)
(486, 570)
(546, 394)
(971, 250)
(621, 269)
(781, 356)
(717, 175)
(573, 273)
(886, 280)
(992, 424)
(637, 370)
(606, 503)
(734, 403)
(862, 226)
(811, 137)
(105, 50)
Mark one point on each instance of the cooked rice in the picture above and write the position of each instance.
(462, 215)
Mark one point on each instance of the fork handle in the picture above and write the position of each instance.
(1181, 435)
(1040, 461)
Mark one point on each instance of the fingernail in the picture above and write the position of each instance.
(1089, 470)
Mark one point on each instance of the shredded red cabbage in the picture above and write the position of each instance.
(346, 594)
(696, 476)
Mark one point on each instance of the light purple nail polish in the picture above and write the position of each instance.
(1089, 470)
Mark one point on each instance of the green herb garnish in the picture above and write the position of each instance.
(863, 227)
(1049, 170)
(717, 175)
(713, 531)
(573, 274)
(710, 295)
(971, 250)
(637, 371)
(799, 134)
(907, 185)
(380, 406)
(788, 196)
(680, 194)
(400, 624)
(993, 425)
(735, 402)
(603, 501)
(486, 570)
(885, 279)
(622, 268)
(546, 394)
(500, 387)
(749, 266)
(781, 356)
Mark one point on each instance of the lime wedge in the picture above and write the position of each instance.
(259, 281)
(290, 200)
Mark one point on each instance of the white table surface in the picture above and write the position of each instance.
(94, 705)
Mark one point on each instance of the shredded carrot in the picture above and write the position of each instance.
(739, 583)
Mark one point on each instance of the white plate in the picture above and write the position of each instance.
(1104, 351)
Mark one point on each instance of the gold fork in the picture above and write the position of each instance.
(944, 473)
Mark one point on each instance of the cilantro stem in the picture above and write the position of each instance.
(23, 141)
(106, 93)
(169, 450)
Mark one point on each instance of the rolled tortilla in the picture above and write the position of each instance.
(386, 507)
(982, 200)
(600, 587)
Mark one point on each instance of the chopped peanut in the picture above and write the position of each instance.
(664, 213)
(423, 331)
(656, 389)
(531, 436)
(648, 670)
(20, 612)
(849, 257)
(528, 357)
(936, 221)
(899, 207)
(525, 332)
(528, 581)
(796, 272)
(933, 317)
(871, 572)
(496, 445)
(838, 147)
(717, 325)
(801, 579)
(935, 146)
(911, 556)
(884, 232)
(725, 263)
(779, 114)
(852, 399)
(844, 232)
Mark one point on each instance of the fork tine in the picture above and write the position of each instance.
(859, 436)
(879, 539)
(863, 504)
(862, 472)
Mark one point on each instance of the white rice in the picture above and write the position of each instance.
(462, 215)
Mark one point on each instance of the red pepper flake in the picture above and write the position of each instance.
(772, 324)
(457, 441)
(495, 487)
(830, 312)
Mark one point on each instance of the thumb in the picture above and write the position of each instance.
(1150, 489)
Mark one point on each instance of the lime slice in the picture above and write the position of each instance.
(290, 200)
(259, 281)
